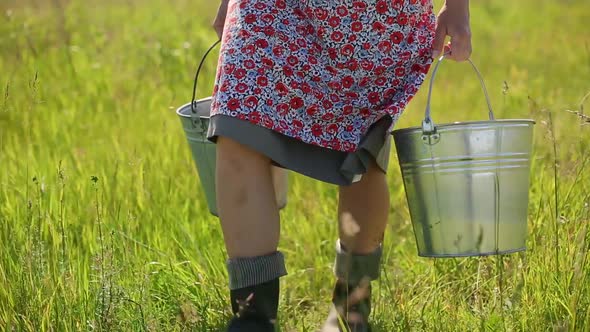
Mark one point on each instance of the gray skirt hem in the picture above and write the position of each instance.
(327, 165)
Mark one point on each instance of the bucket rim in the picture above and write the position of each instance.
(190, 115)
(464, 123)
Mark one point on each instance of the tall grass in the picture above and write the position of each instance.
(103, 225)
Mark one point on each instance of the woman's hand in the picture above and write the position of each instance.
(220, 18)
(453, 21)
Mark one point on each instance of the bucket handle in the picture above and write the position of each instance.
(193, 99)
(428, 127)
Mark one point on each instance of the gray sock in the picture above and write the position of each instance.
(353, 268)
(250, 271)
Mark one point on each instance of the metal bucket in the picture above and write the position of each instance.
(467, 183)
(194, 117)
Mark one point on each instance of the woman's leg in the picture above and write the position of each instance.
(363, 211)
(365, 203)
(250, 222)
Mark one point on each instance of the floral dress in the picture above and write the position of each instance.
(322, 72)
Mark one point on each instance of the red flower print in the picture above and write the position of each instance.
(346, 110)
(359, 6)
(288, 71)
(244, 34)
(229, 68)
(334, 98)
(334, 144)
(267, 121)
(278, 51)
(347, 82)
(279, 4)
(281, 89)
(262, 43)
(334, 21)
(385, 46)
(262, 81)
(296, 103)
(301, 43)
(388, 62)
(282, 109)
(342, 11)
(316, 130)
(373, 97)
(267, 62)
(380, 70)
(334, 85)
(224, 87)
(396, 37)
(337, 36)
(251, 101)
(347, 146)
(398, 4)
(328, 116)
(352, 65)
(249, 64)
(379, 27)
(267, 18)
(240, 73)
(364, 82)
(312, 110)
(402, 19)
(297, 124)
(367, 65)
(365, 112)
(347, 50)
(292, 60)
(250, 18)
(389, 93)
(400, 71)
(269, 31)
(248, 49)
(260, 5)
(351, 95)
(356, 26)
(270, 102)
(233, 104)
(283, 125)
(380, 81)
(321, 14)
(381, 7)
(254, 117)
(332, 128)
(305, 87)
(327, 104)
(241, 87)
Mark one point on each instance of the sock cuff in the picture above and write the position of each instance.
(353, 268)
(250, 271)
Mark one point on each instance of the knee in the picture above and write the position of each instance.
(238, 157)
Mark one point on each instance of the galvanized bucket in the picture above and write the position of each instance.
(194, 117)
(467, 183)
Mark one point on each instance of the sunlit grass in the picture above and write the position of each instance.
(104, 226)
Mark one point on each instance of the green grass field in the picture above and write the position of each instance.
(104, 226)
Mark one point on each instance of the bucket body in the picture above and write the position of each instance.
(467, 186)
(204, 153)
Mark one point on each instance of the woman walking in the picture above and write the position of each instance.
(315, 86)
